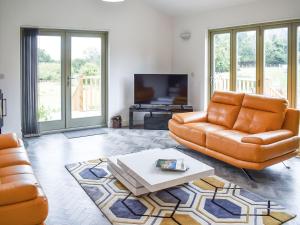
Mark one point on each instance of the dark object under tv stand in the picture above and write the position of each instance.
(157, 109)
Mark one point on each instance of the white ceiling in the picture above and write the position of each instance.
(183, 7)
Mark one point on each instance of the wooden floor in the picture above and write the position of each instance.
(69, 205)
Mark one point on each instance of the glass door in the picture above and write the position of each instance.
(275, 71)
(246, 52)
(221, 57)
(51, 98)
(71, 79)
(85, 79)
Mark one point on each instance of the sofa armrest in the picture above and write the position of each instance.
(190, 117)
(9, 140)
(266, 138)
(18, 191)
(291, 121)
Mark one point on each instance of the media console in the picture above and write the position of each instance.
(158, 110)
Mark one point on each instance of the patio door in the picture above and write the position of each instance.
(72, 73)
(85, 79)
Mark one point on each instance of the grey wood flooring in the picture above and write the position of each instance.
(69, 205)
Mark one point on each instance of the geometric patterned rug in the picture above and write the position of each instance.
(211, 200)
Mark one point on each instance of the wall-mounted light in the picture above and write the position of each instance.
(186, 35)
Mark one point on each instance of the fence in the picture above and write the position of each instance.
(87, 93)
(247, 86)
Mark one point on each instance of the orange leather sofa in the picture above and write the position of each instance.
(246, 131)
(22, 201)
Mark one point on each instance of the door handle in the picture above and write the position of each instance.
(69, 78)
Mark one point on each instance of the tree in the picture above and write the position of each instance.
(77, 64)
(43, 56)
(276, 51)
(246, 49)
(92, 55)
(222, 53)
(88, 65)
(49, 71)
(89, 69)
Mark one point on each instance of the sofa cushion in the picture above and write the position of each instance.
(13, 170)
(229, 142)
(190, 117)
(9, 141)
(193, 132)
(17, 188)
(224, 108)
(263, 103)
(12, 150)
(266, 138)
(261, 114)
(28, 212)
(14, 159)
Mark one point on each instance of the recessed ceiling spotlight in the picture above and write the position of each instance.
(113, 0)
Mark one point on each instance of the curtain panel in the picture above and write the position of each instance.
(29, 82)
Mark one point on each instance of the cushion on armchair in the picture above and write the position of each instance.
(9, 141)
(17, 191)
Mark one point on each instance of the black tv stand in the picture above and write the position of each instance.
(163, 109)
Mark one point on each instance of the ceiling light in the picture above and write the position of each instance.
(113, 0)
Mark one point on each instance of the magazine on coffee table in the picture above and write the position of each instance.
(171, 164)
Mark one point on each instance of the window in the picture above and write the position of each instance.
(221, 62)
(259, 58)
(276, 62)
(49, 78)
(86, 76)
(246, 62)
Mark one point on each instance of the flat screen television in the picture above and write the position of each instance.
(161, 89)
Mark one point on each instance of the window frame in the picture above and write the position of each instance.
(294, 55)
(292, 26)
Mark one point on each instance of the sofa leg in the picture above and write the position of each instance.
(179, 147)
(248, 175)
(286, 166)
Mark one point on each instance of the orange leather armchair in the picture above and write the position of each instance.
(22, 201)
(247, 131)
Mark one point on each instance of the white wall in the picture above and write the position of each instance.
(140, 41)
(191, 56)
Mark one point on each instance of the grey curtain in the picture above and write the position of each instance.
(30, 126)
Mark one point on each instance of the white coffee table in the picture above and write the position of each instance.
(137, 171)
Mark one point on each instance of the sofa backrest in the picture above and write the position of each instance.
(224, 108)
(261, 114)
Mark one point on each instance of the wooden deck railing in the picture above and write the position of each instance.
(247, 86)
(87, 94)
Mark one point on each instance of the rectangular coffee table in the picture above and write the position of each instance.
(137, 171)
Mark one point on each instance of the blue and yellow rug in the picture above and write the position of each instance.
(212, 200)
